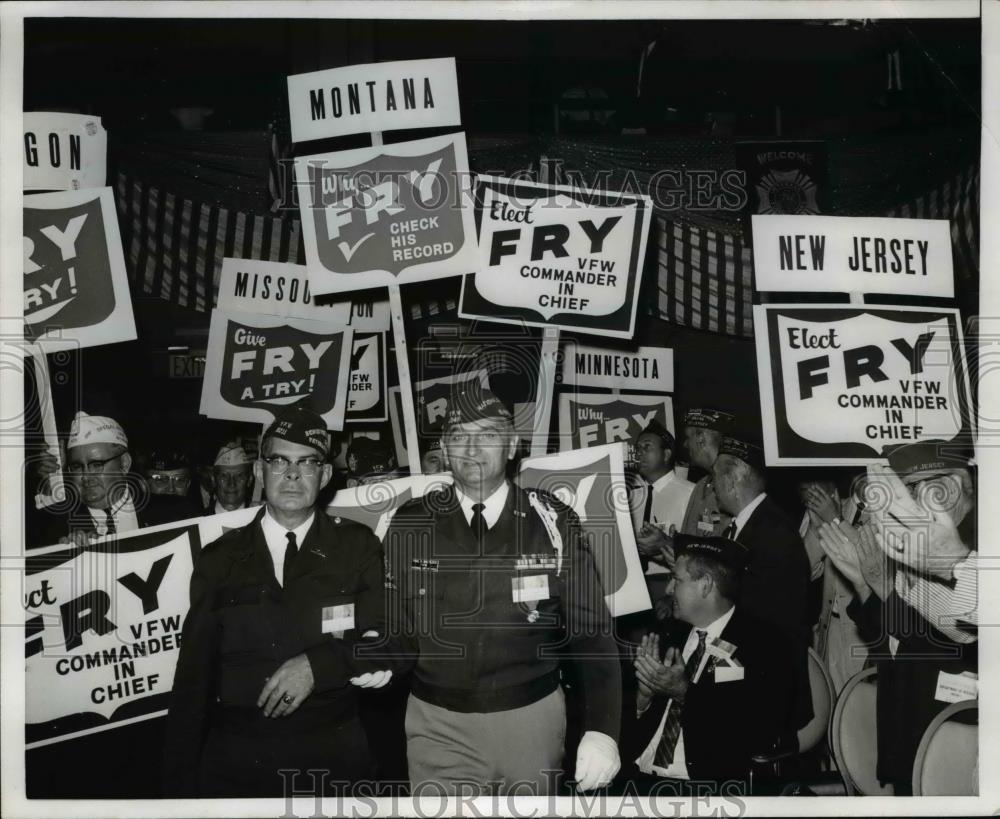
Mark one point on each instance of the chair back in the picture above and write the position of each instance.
(853, 736)
(821, 689)
(947, 762)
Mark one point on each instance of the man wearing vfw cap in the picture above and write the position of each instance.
(232, 479)
(491, 585)
(286, 619)
(718, 691)
(102, 497)
(703, 431)
(912, 611)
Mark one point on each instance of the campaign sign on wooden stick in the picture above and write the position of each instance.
(840, 383)
(64, 152)
(258, 364)
(853, 254)
(387, 215)
(373, 97)
(557, 256)
(645, 368)
(76, 290)
(591, 482)
(594, 420)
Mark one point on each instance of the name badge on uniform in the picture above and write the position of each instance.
(425, 565)
(338, 619)
(956, 687)
(529, 588)
(539, 562)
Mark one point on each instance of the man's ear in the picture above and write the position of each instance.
(325, 475)
(707, 584)
(126, 462)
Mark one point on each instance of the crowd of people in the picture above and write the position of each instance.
(483, 611)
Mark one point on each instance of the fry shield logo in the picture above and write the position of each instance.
(67, 270)
(265, 368)
(389, 213)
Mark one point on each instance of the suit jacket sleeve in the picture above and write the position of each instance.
(334, 661)
(779, 563)
(190, 699)
(591, 636)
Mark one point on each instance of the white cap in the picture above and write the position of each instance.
(95, 429)
(232, 454)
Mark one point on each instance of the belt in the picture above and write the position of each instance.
(472, 700)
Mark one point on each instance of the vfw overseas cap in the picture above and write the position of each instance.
(475, 404)
(749, 452)
(709, 418)
(95, 429)
(914, 461)
(724, 550)
(299, 425)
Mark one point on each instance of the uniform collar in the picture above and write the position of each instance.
(492, 506)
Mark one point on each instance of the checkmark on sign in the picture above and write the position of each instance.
(349, 250)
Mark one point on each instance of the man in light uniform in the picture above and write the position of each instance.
(491, 585)
(703, 431)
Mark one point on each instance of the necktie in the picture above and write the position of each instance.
(730, 531)
(647, 511)
(109, 522)
(290, 551)
(672, 724)
(477, 522)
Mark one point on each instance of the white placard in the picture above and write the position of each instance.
(840, 383)
(646, 368)
(554, 256)
(64, 152)
(595, 420)
(76, 291)
(373, 97)
(280, 289)
(853, 254)
(387, 215)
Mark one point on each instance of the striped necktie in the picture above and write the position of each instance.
(672, 724)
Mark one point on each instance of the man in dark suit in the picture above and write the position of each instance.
(286, 618)
(103, 496)
(719, 692)
(776, 582)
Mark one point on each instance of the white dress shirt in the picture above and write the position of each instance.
(492, 506)
(678, 768)
(741, 519)
(671, 495)
(277, 542)
(122, 512)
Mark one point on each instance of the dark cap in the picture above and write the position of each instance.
(708, 418)
(729, 553)
(299, 425)
(475, 404)
(750, 452)
(654, 427)
(167, 459)
(921, 459)
(366, 456)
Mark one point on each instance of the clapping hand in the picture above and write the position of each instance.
(817, 501)
(923, 539)
(665, 678)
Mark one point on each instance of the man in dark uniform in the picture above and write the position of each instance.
(284, 615)
(703, 431)
(493, 584)
(719, 690)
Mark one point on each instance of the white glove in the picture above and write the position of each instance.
(597, 761)
(373, 679)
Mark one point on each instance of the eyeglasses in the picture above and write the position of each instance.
(179, 481)
(278, 465)
(91, 467)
